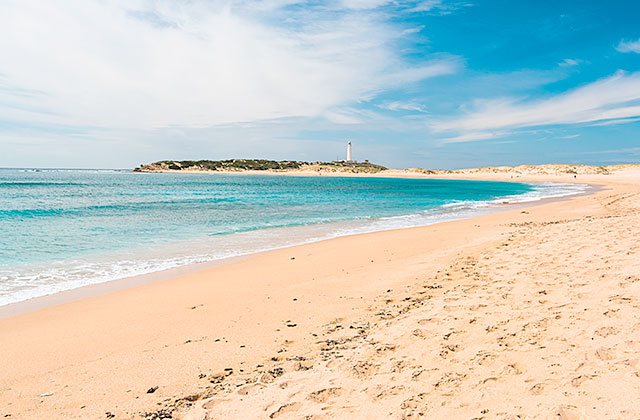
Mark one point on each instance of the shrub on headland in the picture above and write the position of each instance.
(257, 165)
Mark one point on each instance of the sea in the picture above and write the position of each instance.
(61, 229)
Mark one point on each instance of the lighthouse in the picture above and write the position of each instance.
(349, 152)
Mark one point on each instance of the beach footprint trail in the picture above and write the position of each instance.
(539, 324)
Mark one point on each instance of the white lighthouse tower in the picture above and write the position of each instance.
(349, 152)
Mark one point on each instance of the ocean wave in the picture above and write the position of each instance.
(17, 286)
(23, 283)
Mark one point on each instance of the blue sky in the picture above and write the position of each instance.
(423, 83)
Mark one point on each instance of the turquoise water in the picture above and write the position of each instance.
(63, 229)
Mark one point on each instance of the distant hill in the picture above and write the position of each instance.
(242, 165)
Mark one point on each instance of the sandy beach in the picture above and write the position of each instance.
(530, 312)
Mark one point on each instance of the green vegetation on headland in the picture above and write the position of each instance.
(239, 165)
(343, 167)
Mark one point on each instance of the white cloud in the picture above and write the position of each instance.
(438, 6)
(629, 46)
(616, 122)
(426, 5)
(613, 99)
(419, 6)
(344, 116)
(413, 30)
(569, 62)
(146, 64)
(364, 4)
(403, 106)
(475, 136)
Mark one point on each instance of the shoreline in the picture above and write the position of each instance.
(105, 287)
(269, 318)
(389, 174)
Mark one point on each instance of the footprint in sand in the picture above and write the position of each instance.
(364, 369)
(420, 333)
(604, 353)
(577, 381)
(380, 392)
(512, 369)
(537, 389)
(213, 402)
(324, 395)
(606, 331)
(251, 388)
(449, 381)
(416, 406)
(566, 412)
(284, 409)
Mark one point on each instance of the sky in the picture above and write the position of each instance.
(425, 83)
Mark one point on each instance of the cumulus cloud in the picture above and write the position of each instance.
(143, 64)
(615, 99)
